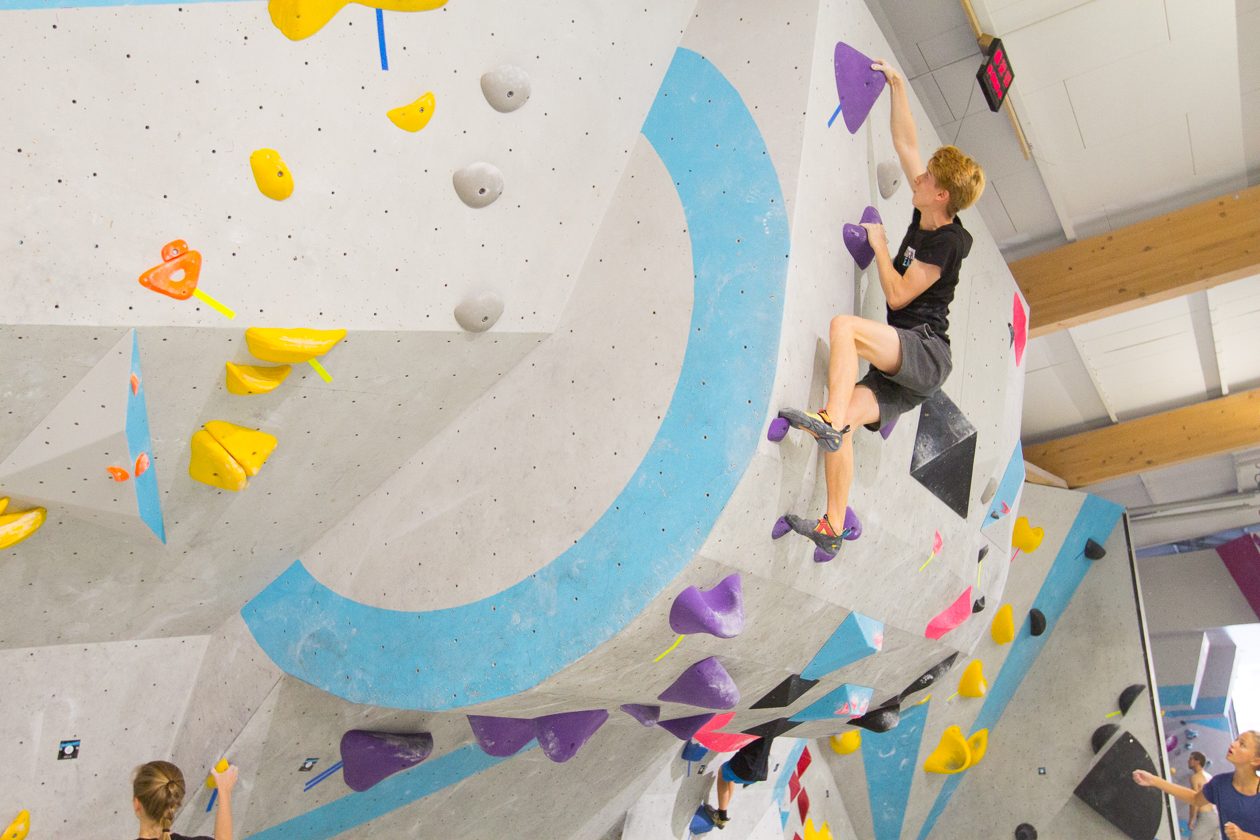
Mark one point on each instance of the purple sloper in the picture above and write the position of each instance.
(646, 715)
(369, 757)
(501, 736)
(684, 727)
(857, 85)
(561, 736)
(855, 238)
(887, 429)
(718, 611)
(705, 684)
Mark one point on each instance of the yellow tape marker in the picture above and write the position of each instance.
(676, 643)
(924, 700)
(214, 304)
(320, 369)
(931, 557)
(952, 696)
(979, 568)
(1116, 713)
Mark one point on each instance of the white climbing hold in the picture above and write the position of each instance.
(888, 176)
(478, 184)
(479, 312)
(506, 88)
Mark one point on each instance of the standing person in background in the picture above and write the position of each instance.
(751, 764)
(158, 793)
(1203, 822)
(1236, 796)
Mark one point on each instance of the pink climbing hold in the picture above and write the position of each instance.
(952, 616)
(856, 241)
(857, 85)
(561, 736)
(721, 742)
(705, 684)
(1019, 328)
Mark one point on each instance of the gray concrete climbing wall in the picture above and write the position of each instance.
(491, 523)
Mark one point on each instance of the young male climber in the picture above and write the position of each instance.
(909, 355)
(1236, 795)
(1203, 822)
(749, 765)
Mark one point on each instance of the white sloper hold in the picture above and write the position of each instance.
(478, 184)
(479, 312)
(888, 176)
(506, 88)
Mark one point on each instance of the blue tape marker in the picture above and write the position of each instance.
(513, 640)
(148, 498)
(214, 794)
(380, 38)
(333, 769)
(834, 114)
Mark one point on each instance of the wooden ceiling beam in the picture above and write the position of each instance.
(1214, 427)
(1172, 255)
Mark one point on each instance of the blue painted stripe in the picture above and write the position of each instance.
(834, 114)
(1175, 695)
(1008, 487)
(515, 639)
(394, 792)
(15, 5)
(785, 773)
(1204, 706)
(1096, 520)
(148, 498)
(1221, 723)
(380, 38)
(891, 760)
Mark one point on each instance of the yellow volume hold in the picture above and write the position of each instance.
(287, 346)
(299, 19)
(952, 755)
(250, 448)
(273, 178)
(211, 464)
(1003, 628)
(255, 379)
(415, 116)
(972, 683)
(15, 527)
(19, 827)
(849, 742)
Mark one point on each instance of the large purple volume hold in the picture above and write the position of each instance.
(718, 611)
(705, 684)
(684, 727)
(857, 85)
(501, 736)
(561, 736)
(856, 240)
(369, 757)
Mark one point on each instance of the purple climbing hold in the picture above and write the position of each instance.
(705, 684)
(561, 736)
(646, 715)
(778, 430)
(857, 85)
(369, 757)
(718, 611)
(501, 736)
(780, 529)
(856, 241)
(853, 524)
(887, 429)
(684, 727)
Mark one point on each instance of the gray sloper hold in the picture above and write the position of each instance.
(479, 312)
(506, 88)
(888, 176)
(478, 184)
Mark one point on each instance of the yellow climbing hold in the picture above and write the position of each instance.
(821, 833)
(972, 683)
(952, 755)
(250, 448)
(221, 767)
(15, 527)
(299, 19)
(415, 116)
(286, 346)
(847, 743)
(211, 464)
(1025, 537)
(20, 826)
(978, 745)
(270, 174)
(255, 379)
(1003, 628)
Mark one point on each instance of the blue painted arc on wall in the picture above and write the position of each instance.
(513, 640)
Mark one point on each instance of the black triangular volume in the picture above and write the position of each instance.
(1109, 790)
(978, 605)
(926, 681)
(1094, 551)
(884, 718)
(771, 728)
(984, 550)
(945, 452)
(1102, 735)
(1037, 619)
(1130, 694)
(785, 693)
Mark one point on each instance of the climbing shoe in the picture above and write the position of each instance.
(817, 424)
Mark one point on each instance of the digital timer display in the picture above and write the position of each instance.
(995, 75)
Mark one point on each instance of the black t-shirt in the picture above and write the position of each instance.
(752, 762)
(945, 247)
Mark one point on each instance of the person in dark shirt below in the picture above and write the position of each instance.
(1236, 795)
(909, 355)
(158, 792)
(751, 764)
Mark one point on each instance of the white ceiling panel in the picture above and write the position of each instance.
(1082, 39)
(996, 219)
(1235, 312)
(950, 46)
(1059, 398)
(1050, 123)
(1201, 479)
(1216, 141)
(1128, 491)
(962, 92)
(916, 20)
(990, 139)
(1133, 93)
(1009, 15)
(1027, 202)
(933, 102)
(1249, 49)
(1251, 128)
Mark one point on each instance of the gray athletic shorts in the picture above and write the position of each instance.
(1207, 826)
(925, 365)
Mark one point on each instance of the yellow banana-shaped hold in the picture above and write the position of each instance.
(19, 827)
(211, 464)
(952, 755)
(249, 448)
(299, 19)
(15, 527)
(255, 379)
(849, 742)
(972, 683)
(273, 178)
(1003, 628)
(415, 116)
(218, 768)
(287, 346)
